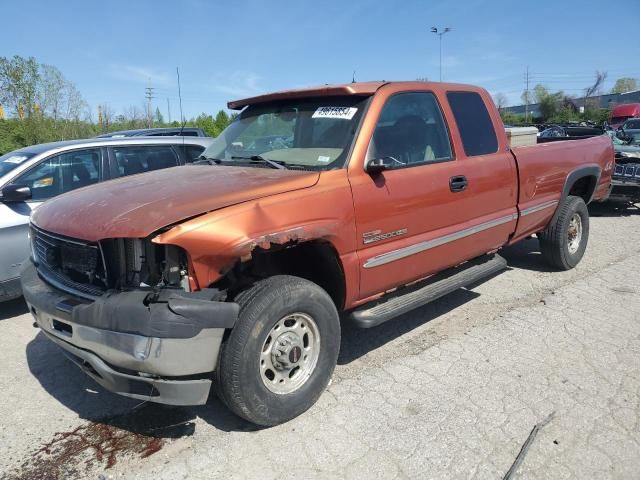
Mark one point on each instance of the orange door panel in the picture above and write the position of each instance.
(417, 218)
(429, 227)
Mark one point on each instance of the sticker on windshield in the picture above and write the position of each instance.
(344, 113)
(324, 159)
(17, 159)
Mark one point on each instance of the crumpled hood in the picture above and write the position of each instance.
(138, 205)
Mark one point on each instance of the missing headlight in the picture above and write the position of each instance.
(137, 262)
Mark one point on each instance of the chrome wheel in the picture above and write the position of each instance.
(290, 353)
(574, 233)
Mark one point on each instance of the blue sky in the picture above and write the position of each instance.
(231, 49)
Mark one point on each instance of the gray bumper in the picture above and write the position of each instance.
(625, 190)
(128, 347)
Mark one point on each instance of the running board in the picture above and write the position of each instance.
(436, 286)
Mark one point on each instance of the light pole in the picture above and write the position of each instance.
(440, 34)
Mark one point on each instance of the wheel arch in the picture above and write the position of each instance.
(581, 182)
(316, 260)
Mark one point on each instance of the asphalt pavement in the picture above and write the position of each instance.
(532, 364)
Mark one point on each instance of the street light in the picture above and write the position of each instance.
(440, 34)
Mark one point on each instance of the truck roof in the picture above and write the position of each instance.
(626, 109)
(355, 88)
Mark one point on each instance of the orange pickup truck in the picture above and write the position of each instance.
(353, 202)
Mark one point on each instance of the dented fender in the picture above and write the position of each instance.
(215, 242)
(324, 230)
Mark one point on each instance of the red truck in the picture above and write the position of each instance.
(624, 112)
(356, 202)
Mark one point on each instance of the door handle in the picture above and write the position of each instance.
(458, 183)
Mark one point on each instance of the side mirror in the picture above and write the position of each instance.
(15, 193)
(376, 165)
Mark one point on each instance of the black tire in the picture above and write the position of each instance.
(265, 303)
(554, 240)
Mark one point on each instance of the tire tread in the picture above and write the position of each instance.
(553, 238)
(232, 356)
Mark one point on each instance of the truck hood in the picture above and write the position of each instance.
(138, 205)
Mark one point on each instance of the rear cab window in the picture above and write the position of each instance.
(474, 123)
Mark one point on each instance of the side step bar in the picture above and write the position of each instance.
(436, 286)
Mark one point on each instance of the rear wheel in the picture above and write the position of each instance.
(564, 240)
(280, 356)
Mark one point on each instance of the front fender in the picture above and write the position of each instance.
(218, 240)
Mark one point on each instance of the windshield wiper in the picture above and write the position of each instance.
(258, 158)
(202, 160)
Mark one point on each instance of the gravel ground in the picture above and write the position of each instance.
(452, 390)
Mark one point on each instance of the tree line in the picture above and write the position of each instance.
(558, 107)
(39, 104)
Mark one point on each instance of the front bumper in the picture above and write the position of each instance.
(625, 190)
(163, 351)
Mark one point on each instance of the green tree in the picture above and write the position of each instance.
(51, 90)
(41, 105)
(624, 85)
(19, 79)
(206, 123)
(548, 103)
(222, 121)
(509, 118)
(158, 118)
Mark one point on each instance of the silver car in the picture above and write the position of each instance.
(31, 175)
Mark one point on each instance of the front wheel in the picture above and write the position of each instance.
(564, 240)
(280, 355)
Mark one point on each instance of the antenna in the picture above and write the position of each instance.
(180, 98)
(353, 78)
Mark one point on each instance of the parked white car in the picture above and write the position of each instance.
(31, 175)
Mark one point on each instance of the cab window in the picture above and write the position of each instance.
(411, 131)
(474, 123)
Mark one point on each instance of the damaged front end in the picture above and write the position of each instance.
(625, 180)
(89, 269)
(122, 309)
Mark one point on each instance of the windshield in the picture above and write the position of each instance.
(308, 134)
(617, 120)
(628, 139)
(632, 124)
(13, 160)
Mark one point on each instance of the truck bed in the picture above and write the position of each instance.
(542, 182)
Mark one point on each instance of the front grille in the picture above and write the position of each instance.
(71, 265)
(619, 170)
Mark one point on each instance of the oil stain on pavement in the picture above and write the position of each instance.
(100, 444)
